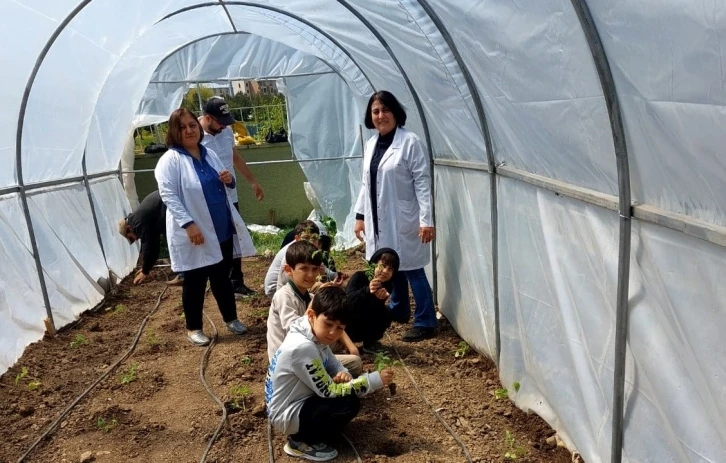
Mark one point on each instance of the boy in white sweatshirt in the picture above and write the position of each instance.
(310, 396)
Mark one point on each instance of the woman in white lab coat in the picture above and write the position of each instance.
(394, 209)
(200, 223)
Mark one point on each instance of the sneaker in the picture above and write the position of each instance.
(419, 333)
(240, 290)
(373, 348)
(315, 452)
(237, 327)
(177, 281)
(198, 338)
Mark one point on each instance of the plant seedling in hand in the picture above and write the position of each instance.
(382, 361)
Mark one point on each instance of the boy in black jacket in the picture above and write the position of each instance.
(367, 293)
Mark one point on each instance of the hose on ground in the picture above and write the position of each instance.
(108, 371)
(202, 370)
(431, 406)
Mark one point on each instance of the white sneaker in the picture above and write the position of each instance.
(198, 338)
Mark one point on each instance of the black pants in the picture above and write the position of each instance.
(321, 419)
(195, 283)
(235, 274)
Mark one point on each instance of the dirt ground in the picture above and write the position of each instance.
(154, 408)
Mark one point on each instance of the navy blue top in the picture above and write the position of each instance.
(214, 194)
(382, 144)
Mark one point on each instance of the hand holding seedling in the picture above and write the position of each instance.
(387, 377)
(378, 290)
(140, 277)
(342, 377)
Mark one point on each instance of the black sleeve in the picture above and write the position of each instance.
(360, 217)
(150, 246)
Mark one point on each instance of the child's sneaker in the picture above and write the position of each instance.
(315, 452)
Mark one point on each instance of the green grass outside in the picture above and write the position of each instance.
(285, 203)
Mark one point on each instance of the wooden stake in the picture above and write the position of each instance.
(49, 328)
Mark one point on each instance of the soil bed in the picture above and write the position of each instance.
(154, 408)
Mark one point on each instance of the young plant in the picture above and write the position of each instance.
(152, 339)
(330, 225)
(79, 341)
(512, 449)
(370, 271)
(246, 360)
(130, 375)
(382, 361)
(34, 384)
(22, 375)
(105, 425)
(502, 393)
(261, 313)
(118, 310)
(516, 386)
(239, 394)
(462, 350)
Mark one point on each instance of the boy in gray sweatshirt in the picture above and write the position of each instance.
(310, 396)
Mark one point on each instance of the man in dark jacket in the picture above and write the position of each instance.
(147, 223)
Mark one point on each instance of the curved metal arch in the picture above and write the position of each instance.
(607, 82)
(282, 12)
(229, 16)
(491, 161)
(424, 123)
(18, 150)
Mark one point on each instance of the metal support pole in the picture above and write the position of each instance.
(424, 123)
(289, 122)
(87, 185)
(621, 156)
(491, 163)
(199, 98)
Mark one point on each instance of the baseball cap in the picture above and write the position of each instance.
(219, 109)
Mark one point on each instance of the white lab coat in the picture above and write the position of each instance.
(181, 191)
(404, 199)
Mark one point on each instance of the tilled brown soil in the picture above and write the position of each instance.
(154, 407)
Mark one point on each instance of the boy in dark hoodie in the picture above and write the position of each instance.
(367, 293)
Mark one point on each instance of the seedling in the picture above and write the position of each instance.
(462, 350)
(382, 361)
(20, 376)
(130, 375)
(106, 426)
(34, 385)
(330, 225)
(262, 313)
(516, 386)
(246, 360)
(119, 309)
(152, 339)
(79, 341)
(502, 393)
(370, 271)
(512, 449)
(239, 395)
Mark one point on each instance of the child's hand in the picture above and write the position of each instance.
(339, 278)
(342, 377)
(375, 285)
(387, 376)
(381, 294)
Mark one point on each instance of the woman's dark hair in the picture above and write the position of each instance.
(389, 101)
(173, 136)
(332, 302)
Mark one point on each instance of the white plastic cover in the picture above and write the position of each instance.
(547, 115)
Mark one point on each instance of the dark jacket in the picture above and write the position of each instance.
(371, 316)
(148, 222)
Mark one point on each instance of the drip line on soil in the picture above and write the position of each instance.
(431, 406)
(355, 451)
(269, 441)
(75, 402)
(202, 370)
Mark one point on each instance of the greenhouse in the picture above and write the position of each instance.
(574, 148)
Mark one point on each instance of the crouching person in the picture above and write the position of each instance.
(310, 396)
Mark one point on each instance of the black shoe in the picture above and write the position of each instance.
(418, 333)
(373, 348)
(240, 290)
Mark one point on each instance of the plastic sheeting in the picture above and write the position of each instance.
(546, 113)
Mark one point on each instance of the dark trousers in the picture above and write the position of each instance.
(195, 283)
(321, 419)
(235, 274)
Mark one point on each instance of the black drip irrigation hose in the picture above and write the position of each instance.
(68, 409)
(202, 371)
(431, 406)
(357, 455)
(269, 441)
